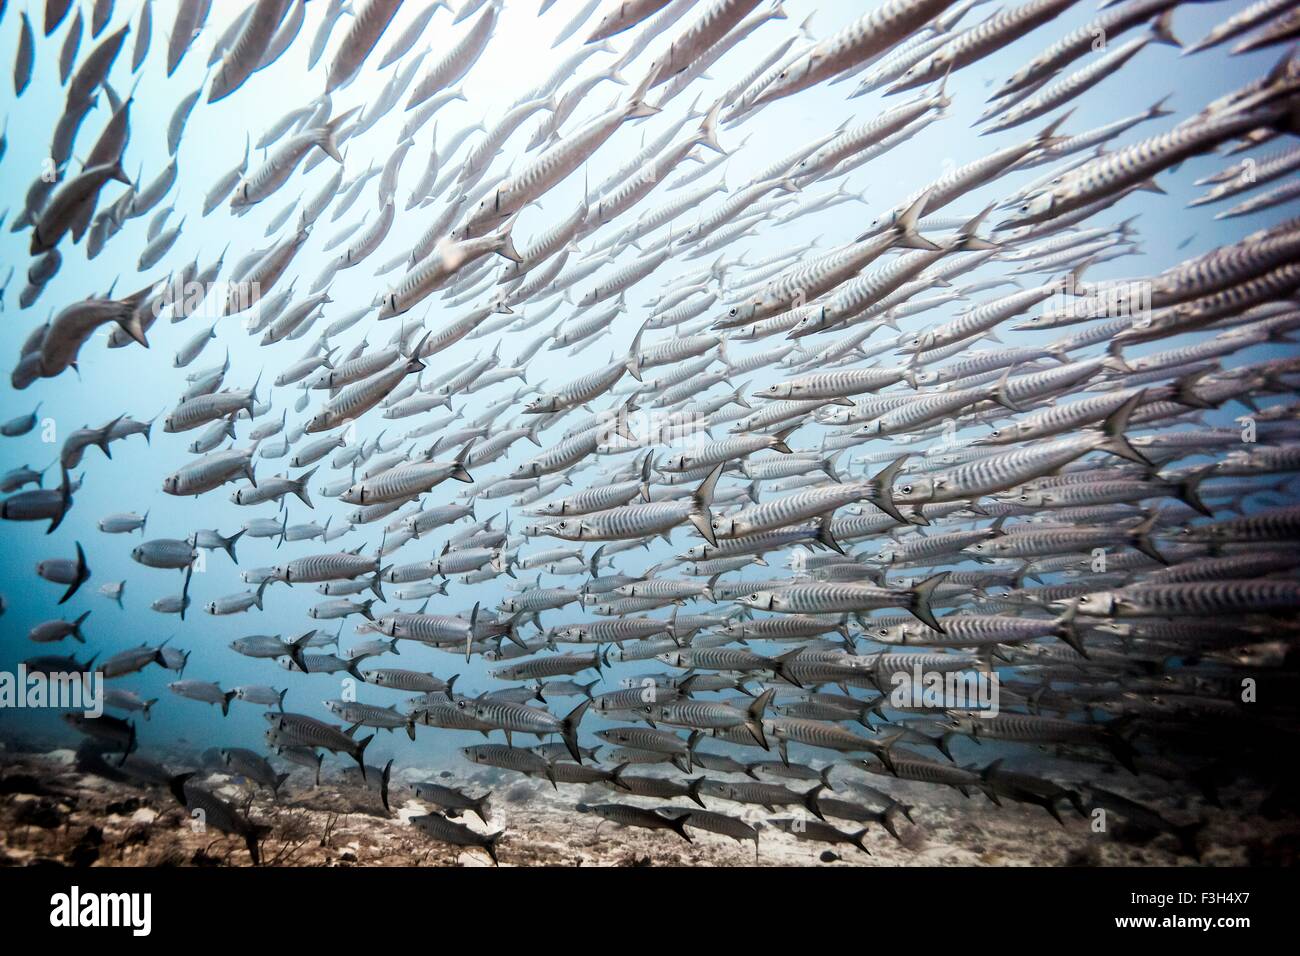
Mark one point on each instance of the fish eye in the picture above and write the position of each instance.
(907, 489)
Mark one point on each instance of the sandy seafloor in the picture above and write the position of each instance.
(52, 814)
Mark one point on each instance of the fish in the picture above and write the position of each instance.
(861, 40)
(926, 419)
(280, 165)
(458, 61)
(437, 827)
(71, 572)
(25, 58)
(252, 39)
(53, 631)
(218, 813)
(203, 691)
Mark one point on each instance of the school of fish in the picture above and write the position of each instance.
(857, 481)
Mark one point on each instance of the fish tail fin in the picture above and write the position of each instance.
(701, 517)
(65, 500)
(707, 135)
(830, 465)
(1162, 30)
(252, 840)
(1140, 538)
(385, 777)
(328, 142)
(295, 651)
(856, 840)
(636, 106)
(482, 806)
(118, 172)
(647, 463)
(908, 237)
(633, 362)
(1185, 389)
(490, 845)
(1116, 425)
(83, 570)
(414, 362)
(176, 785)
(966, 239)
(570, 729)
(131, 322)
(1158, 109)
(360, 755)
(779, 439)
(824, 534)
(616, 775)
(883, 495)
(229, 545)
(106, 435)
(754, 717)
(920, 600)
(505, 244)
(301, 490)
(1188, 490)
(889, 820)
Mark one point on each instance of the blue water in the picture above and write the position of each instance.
(144, 383)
